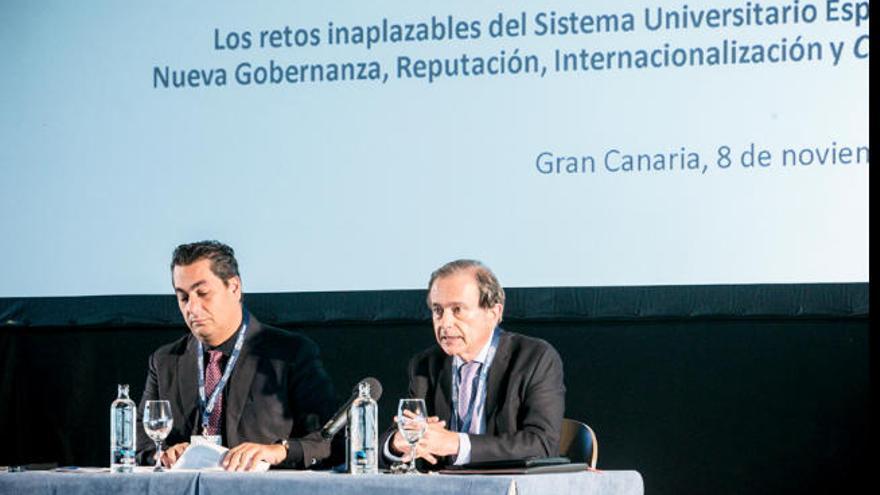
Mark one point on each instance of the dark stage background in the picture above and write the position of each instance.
(721, 389)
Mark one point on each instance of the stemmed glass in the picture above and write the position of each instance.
(157, 425)
(412, 423)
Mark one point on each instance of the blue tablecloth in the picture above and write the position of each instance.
(317, 483)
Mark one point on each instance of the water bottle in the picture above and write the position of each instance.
(122, 433)
(362, 433)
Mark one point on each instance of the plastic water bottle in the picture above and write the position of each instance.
(123, 441)
(362, 433)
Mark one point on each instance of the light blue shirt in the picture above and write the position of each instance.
(464, 440)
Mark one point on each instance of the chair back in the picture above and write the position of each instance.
(578, 442)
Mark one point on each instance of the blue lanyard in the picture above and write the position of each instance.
(207, 404)
(463, 424)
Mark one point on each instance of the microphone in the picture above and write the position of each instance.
(341, 417)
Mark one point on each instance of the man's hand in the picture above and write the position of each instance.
(170, 456)
(245, 457)
(399, 445)
(436, 442)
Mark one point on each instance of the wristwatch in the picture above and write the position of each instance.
(284, 443)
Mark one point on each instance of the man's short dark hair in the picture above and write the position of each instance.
(491, 292)
(222, 257)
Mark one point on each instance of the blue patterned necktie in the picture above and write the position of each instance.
(468, 373)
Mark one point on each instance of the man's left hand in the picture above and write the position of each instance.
(437, 441)
(245, 457)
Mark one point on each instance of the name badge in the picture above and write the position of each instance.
(206, 439)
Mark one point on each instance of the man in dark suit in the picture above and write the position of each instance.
(493, 394)
(251, 387)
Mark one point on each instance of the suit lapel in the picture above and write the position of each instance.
(188, 389)
(240, 382)
(497, 371)
(443, 396)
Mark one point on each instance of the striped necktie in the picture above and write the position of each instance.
(468, 373)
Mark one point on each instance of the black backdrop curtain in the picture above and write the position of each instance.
(714, 389)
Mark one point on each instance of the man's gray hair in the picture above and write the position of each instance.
(491, 292)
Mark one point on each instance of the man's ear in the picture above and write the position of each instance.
(496, 311)
(234, 284)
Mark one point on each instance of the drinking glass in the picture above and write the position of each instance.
(157, 425)
(412, 423)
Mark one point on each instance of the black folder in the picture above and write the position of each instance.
(519, 466)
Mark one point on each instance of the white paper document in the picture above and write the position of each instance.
(207, 457)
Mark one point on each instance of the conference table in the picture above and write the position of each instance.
(74, 481)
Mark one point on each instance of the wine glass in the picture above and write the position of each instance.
(412, 423)
(157, 425)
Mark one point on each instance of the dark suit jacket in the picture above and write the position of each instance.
(525, 398)
(278, 390)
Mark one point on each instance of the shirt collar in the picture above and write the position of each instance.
(481, 357)
(228, 345)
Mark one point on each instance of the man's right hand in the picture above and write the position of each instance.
(170, 456)
(399, 446)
